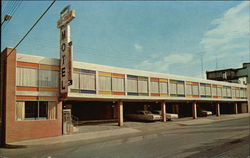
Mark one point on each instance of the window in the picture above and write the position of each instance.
(224, 91)
(132, 85)
(105, 83)
(143, 86)
(26, 77)
(180, 88)
(188, 89)
(117, 84)
(208, 90)
(154, 85)
(173, 89)
(43, 110)
(195, 89)
(163, 87)
(76, 81)
(237, 94)
(241, 93)
(219, 91)
(233, 92)
(31, 110)
(88, 81)
(48, 78)
(31, 77)
(35, 110)
(214, 93)
(202, 90)
(229, 93)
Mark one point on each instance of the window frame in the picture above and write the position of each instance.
(38, 106)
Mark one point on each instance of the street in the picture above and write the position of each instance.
(227, 139)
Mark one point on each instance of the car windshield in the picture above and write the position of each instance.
(156, 112)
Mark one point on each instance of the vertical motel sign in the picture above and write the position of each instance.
(66, 50)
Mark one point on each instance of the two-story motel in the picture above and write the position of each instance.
(32, 108)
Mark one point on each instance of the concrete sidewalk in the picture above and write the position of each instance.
(211, 119)
(111, 129)
(78, 136)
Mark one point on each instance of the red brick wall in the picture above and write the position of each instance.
(24, 130)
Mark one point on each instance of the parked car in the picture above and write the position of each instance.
(169, 116)
(144, 116)
(206, 113)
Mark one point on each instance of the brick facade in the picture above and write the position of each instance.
(27, 129)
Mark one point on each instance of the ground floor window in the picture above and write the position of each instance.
(35, 110)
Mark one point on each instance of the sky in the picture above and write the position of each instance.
(173, 37)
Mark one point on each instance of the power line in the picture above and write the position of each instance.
(32, 27)
(7, 6)
(12, 11)
(11, 6)
(17, 6)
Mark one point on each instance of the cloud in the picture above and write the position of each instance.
(163, 63)
(138, 47)
(229, 39)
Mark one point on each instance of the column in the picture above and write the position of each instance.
(120, 113)
(235, 108)
(177, 108)
(248, 94)
(194, 110)
(8, 100)
(163, 111)
(217, 109)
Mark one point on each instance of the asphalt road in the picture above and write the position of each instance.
(224, 139)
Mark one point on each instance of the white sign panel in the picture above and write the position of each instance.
(66, 51)
(64, 56)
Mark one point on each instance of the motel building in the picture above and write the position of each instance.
(33, 108)
(43, 97)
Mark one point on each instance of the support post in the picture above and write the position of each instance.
(217, 109)
(248, 95)
(194, 110)
(120, 113)
(235, 108)
(163, 111)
